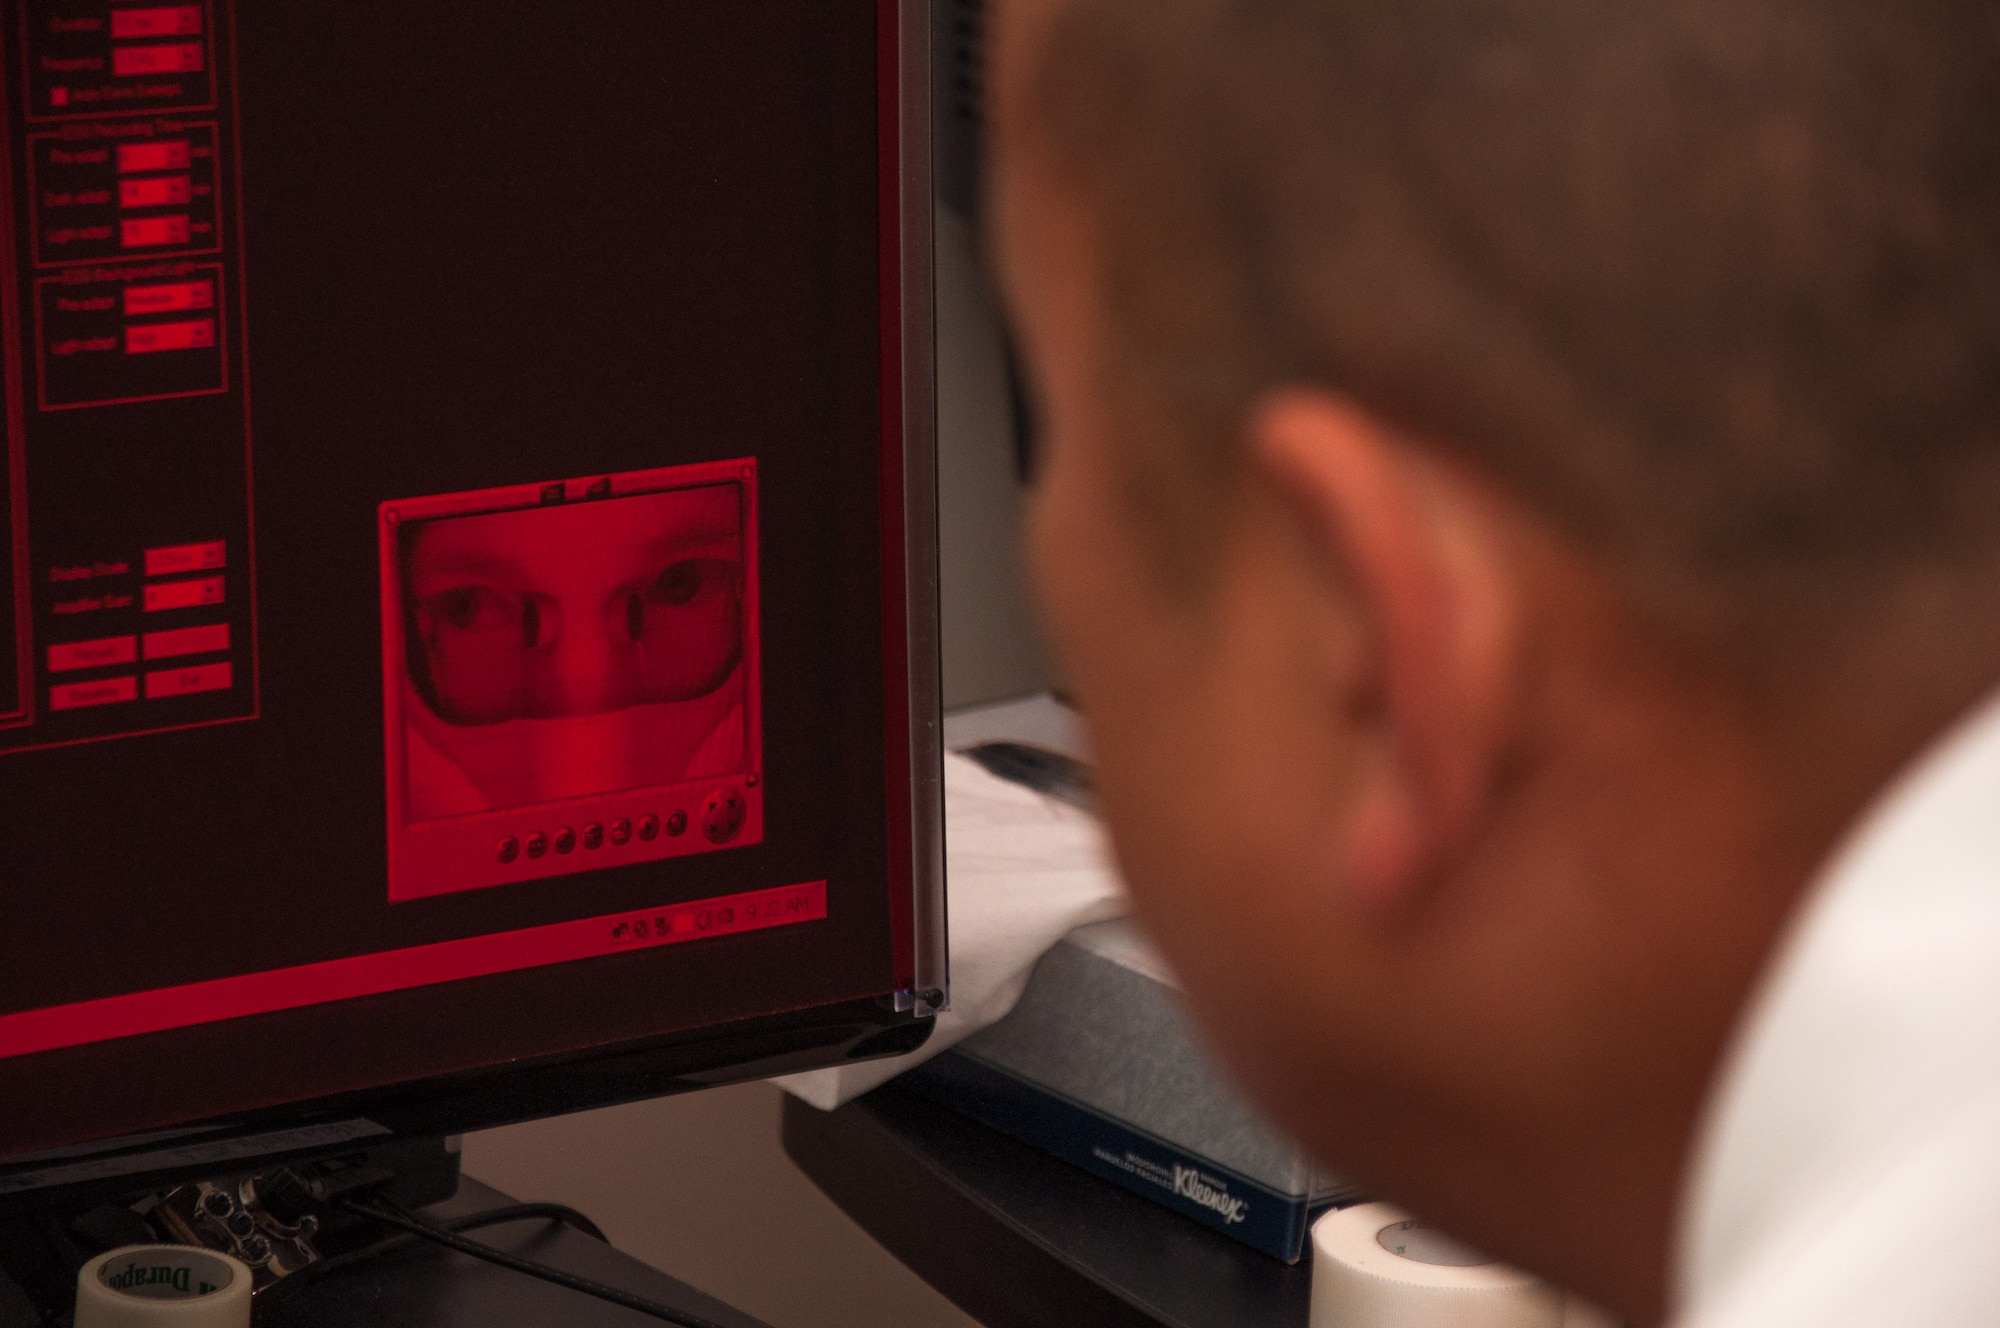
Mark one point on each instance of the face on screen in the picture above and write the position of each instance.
(573, 649)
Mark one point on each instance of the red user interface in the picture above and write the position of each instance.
(132, 608)
(570, 675)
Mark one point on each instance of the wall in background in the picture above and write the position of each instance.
(992, 644)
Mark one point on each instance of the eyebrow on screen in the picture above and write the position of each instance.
(472, 564)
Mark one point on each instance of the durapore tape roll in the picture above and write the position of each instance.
(1376, 1267)
(163, 1286)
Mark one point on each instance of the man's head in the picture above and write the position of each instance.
(1519, 477)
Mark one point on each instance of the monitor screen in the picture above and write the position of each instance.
(464, 600)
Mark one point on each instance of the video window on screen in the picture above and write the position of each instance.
(573, 650)
(583, 656)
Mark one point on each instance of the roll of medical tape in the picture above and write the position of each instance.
(1376, 1267)
(163, 1286)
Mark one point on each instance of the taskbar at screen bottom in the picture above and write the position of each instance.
(55, 1027)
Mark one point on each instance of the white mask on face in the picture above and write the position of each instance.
(453, 770)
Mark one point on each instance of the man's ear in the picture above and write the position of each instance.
(1421, 543)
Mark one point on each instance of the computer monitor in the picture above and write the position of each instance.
(467, 598)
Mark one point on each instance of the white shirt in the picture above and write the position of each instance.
(1849, 1169)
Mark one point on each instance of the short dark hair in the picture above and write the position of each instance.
(1713, 283)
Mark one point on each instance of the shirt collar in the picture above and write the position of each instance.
(1878, 1016)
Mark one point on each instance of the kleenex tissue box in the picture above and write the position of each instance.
(1099, 1066)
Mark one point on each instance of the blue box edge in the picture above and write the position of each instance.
(1197, 1188)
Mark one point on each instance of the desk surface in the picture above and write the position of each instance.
(425, 1286)
(1018, 1239)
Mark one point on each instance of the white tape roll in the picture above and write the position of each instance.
(163, 1286)
(1376, 1267)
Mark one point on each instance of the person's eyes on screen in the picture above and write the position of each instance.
(693, 582)
(680, 583)
(688, 623)
(494, 654)
(477, 641)
(662, 609)
(500, 617)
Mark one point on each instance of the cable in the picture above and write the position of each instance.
(554, 1212)
(280, 1293)
(397, 1217)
